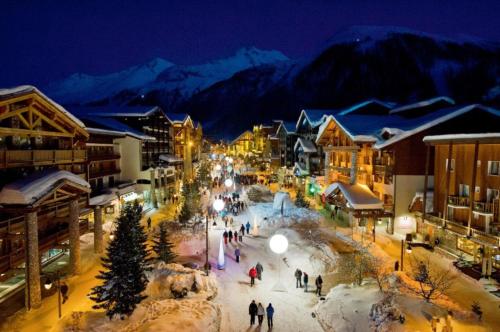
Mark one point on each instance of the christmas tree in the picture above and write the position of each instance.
(124, 278)
(162, 246)
(300, 201)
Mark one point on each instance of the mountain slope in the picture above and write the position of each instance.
(82, 88)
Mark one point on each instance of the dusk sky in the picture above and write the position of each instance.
(42, 41)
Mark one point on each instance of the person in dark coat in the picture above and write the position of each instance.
(248, 227)
(306, 281)
(259, 269)
(298, 278)
(64, 291)
(235, 236)
(230, 234)
(396, 266)
(225, 235)
(237, 254)
(319, 284)
(149, 223)
(270, 314)
(252, 311)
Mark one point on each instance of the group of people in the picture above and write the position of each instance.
(258, 310)
(246, 180)
(303, 276)
(255, 272)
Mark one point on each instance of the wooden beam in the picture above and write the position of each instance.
(472, 190)
(28, 133)
(50, 121)
(16, 99)
(10, 114)
(24, 121)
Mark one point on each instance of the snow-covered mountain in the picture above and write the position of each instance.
(160, 76)
(82, 88)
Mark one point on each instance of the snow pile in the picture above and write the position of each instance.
(259, 194)
(384, 312)
(168, 281)
(269, 216)
(282, 199)
(347, 309)
(167, 315)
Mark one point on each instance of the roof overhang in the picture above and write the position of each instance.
(359, 196)
(485, 138)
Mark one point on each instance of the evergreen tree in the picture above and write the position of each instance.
(124, 278)
(300, 201)
(162, 246)
(203, 174)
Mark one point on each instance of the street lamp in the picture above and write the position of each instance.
(218, 167)
(228, 182)
(218, 205)
(48, 285)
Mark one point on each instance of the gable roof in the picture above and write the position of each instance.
(117, 110)
(359, 196)
(306, 145)
(98, 124)
(356, 108)
(177, 117)
(315, 117)
(246, 132)
(367, 128)
(423, 104)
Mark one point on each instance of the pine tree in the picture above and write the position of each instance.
(300, 201)
(162, 246)
(124, 278)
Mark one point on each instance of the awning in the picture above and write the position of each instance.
(359, 196)
(170, 158)
(306, 145)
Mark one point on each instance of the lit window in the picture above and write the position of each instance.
(452, 166)
(493, 167)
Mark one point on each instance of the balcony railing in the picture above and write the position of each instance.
(456, 227)
(458, 201)
(103, 156)
(485, 237)
(383, 169)
(17, 158)
(103, 172)
(483, 207)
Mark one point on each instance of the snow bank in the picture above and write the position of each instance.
(258, 193)
(267, 216)
(166, 316)
(282, 199)
(166, 281)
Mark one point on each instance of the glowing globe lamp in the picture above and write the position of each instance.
(218, 205)
(278, 244)
(228, 182)
(218, 167)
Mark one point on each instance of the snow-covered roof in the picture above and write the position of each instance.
(289, 126)
(359, 106)
(306, 145)
(299, 171)
(359, 196)
(315, 117)
(31, 190)
(464, 138)
(103, 125)
(170, 158)
(101, 200)
(177, 117)
(26, 89)
(371, 128)
(117, 110)
(423, 103)
(246, 132)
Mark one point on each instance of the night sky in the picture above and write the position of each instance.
(42, 41)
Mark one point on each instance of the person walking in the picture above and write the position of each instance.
(252, 311)
(64, 291)
(235, 236)
(270, 314)
(252, 273)
(259, 269)
(230, 235)
(260, 313)
(306, 281)
(298, 278)
(319, 284)
(225, 235)
(248, 227)
(149, 223)
(396, 266)
(237, 254)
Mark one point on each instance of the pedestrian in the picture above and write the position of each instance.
(298, 278)
(64, 291)
(270, 314)
(252, 273)
(240, 234)
(237, 254)
(306, 281)
(235, 236)
(396, 266)
(252, 311)
(225, 235)
(260, 313)
(248, 227)
(149, 223)
(319, 284)
(230, 234)
(225, 222)
(259, 269)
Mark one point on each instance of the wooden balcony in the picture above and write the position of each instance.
(483, 207)
(456, 228)
(103, 156)
(383, 170)
(458, 201)
(20, 158)
(103, 172)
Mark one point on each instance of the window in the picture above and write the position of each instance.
(492, 194)
(463, 190)
(452, 166)
(493, 167)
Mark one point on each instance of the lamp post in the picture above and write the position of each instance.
(408, 250)
(279, 245)
(218, 206)
(48, 285)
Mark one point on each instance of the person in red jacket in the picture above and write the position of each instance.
(253, 274)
